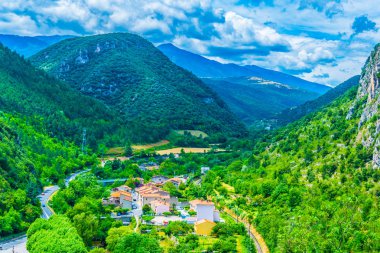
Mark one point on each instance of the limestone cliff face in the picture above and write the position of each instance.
(368, 95)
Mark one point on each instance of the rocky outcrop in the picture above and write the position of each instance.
(369, 90)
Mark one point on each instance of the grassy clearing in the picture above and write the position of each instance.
(195, 133)
(149, 146)
(116, 151)
(206, 241)
(179, 150)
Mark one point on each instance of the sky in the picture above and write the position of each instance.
(318, 40)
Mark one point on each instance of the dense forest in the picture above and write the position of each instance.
(149, 92)
(64, 112)
(29, 159)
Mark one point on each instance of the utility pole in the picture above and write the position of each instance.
(84, 141)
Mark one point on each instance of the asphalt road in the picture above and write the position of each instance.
(19, 243)
(138, 211)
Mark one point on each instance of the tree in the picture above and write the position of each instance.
(225, 245)
(128, 151)
(115, 234)
(295, 197)
(146, 209)
(136, 243)
(54, 236)
(178, 228)
(87, 226)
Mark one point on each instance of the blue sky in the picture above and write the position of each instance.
(319, 40)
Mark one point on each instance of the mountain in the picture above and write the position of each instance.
(294, 113)
(205, 68)
(147, 90)
(254, 100)
(29, 45)
(64, 112)
(313, 185)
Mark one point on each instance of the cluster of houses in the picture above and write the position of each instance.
(161, 202)
(120, 196)
(147, 194)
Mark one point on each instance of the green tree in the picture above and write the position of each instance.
(54, 236)
(136, 243)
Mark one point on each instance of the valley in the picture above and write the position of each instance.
(107, 146)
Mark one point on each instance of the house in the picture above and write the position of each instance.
(205, 210)
(160, 207)
(150, 192)
(122, 188)
(140, 180)
(126, 200)
(159, 179)
(119, 198)
(175, 181)
(204, 170)
(149, 166)
(204, 227)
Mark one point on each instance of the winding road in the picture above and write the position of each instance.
(18, 244)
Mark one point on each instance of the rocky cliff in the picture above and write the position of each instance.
(368, 103)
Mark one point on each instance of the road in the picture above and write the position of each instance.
(260, 244)
(19, 244)
(138, 211)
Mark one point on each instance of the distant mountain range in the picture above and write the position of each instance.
(253, 99)
(253, 93)
(205, 68)
(27, 45)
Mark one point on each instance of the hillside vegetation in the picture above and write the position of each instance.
(310, 187)
(143, 86)
(29, 159)
(292, 114)
(65, 112)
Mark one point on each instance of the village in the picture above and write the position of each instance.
(151, 204)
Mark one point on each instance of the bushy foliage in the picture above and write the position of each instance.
(54, 235)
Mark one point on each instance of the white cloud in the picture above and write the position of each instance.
(319, 38)
(10, 22)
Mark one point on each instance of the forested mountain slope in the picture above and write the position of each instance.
(294, 113)
(313, 186)
(145, 88)
(30, 158)
(254, 100)
(65, 112)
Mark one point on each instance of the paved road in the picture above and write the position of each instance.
(138, 211)
(19, 243)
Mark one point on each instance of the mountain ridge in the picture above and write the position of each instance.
(29, 45)
(203, 67)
